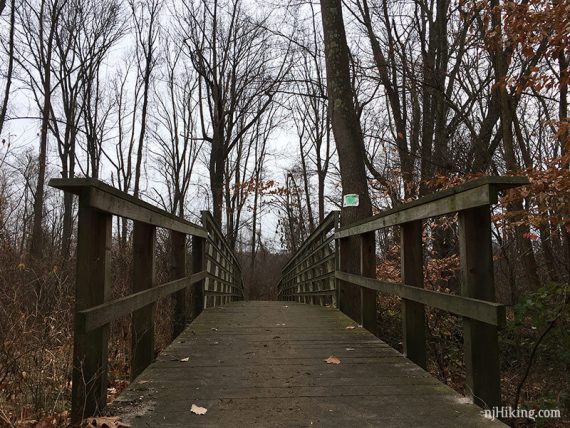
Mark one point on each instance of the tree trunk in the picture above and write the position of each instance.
(10, 70)
(350, 147)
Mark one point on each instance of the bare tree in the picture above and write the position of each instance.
(10, 68)
(230, 50)
(146, 25)
(39, 26)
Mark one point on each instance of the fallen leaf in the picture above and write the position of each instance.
(350, 349)
(350, 327)
(104, 422)
(332, 360)
(198, 410)
(185, 360)
(214, 329)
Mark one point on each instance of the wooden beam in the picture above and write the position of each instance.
(113, 201)
(329, 223)
(198, 267)
(97, 316)
(368, 296)
(142, 327)
(477, 281)
(480, 310)
(479, 192)
(413, 313)
(178, 271)
(92, 287)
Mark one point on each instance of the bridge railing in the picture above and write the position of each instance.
(215, 278)
(482, 317)
(309, 276)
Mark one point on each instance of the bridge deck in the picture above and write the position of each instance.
(262, 364)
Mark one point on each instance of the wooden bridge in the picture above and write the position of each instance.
(311, 358)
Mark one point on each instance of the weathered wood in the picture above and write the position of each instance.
(264, 366)
(198, 265)
(413, 313)
(477, 281)
(368, 312)
(100, 315)
(178, 271)
(92, 287)
(142, 327)
(476, 309)
(113, 201)
(329, 223)
(480, 192)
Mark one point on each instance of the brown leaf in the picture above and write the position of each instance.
(332, 360)
(198, 410)
(104, 422)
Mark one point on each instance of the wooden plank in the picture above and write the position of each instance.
(479, 192)
(329, 223)
(481, 343)
(92, 287)
(208, 220)
(303, 257)
(113, 201)
(413, 313)
(198, 267)
(100, 315)
(368, 310)
(178, 271)
(476, 309)
(251, 369)
(142, 327)
(483, 195)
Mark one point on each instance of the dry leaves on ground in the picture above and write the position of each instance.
(332, 360)
(104, 422)
(198, 410)
(185, 360)
(350, 327)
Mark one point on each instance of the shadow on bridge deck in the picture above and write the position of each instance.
(262, 364)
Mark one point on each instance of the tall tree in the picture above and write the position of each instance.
(39, 26)
(350, 148)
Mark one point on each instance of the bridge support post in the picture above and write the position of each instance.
(144, 239)
(368, 269)
(357, 255)
(413, 313)
(178, 266)
(198, 265)
(477, 281)
(92, 288)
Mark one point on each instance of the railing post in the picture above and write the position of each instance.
(477, 281)
(178, 266)
(368, 269)
(198, 265)
(144, 239)
(413, 313)
(92, 288)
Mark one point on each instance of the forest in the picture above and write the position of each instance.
(229, 106)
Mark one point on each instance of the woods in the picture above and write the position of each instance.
(267, 115)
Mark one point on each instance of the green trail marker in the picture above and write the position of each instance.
(350, 200)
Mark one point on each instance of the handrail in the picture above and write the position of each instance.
(309, 275)
(482, 316)
(476, 193)
(330, 221)
(94, 309)
(113, 201)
